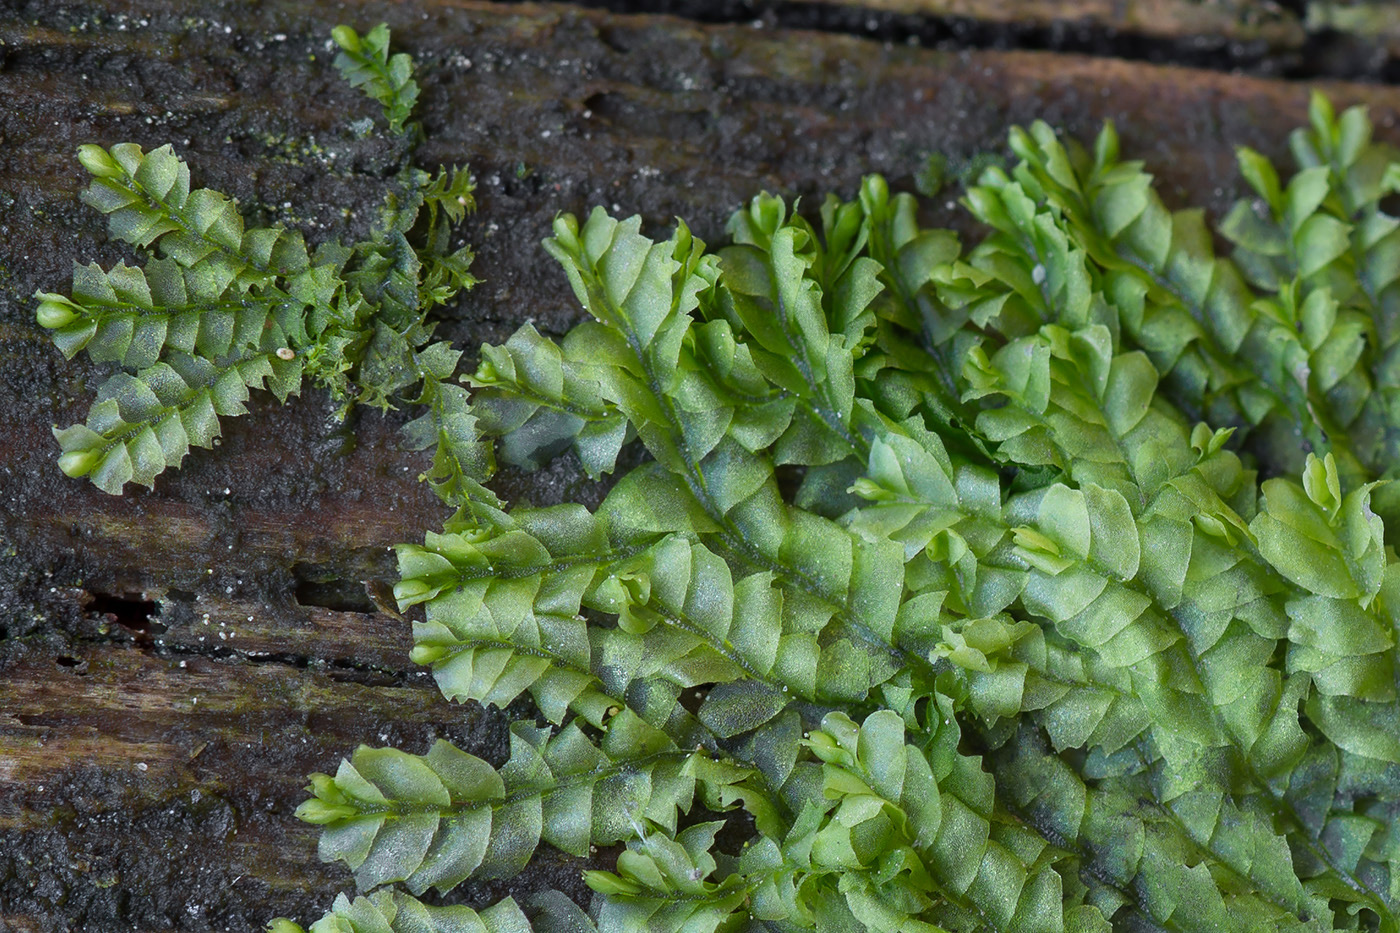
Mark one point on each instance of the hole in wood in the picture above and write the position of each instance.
(79, 667)
(323, 588)
(128, 610)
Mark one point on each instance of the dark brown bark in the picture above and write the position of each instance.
(149, 766)
(1242, 21)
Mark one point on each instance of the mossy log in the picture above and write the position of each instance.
(174, 662)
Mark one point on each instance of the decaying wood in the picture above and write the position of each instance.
(1263, 21)
(149, 767)
(1375, 23)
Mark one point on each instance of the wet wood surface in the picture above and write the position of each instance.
(1263, 21)
(174, 662)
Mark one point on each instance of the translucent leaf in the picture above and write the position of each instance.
(364, 61)
(438, 819)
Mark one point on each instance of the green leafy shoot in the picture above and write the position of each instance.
(1020, 642)
(395, 912)
(947, 579)
(220, 308)
(365, 62)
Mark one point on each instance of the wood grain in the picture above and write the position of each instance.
(1236, 21)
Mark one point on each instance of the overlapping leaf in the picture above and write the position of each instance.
(663, 883)
(1323, 242)
(1224, 355)
(226, 307)
(945, 568)
(143, 423)
(538, 401)
(1157, 860)
(503, 616)
(438, 819)
(395, 912)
